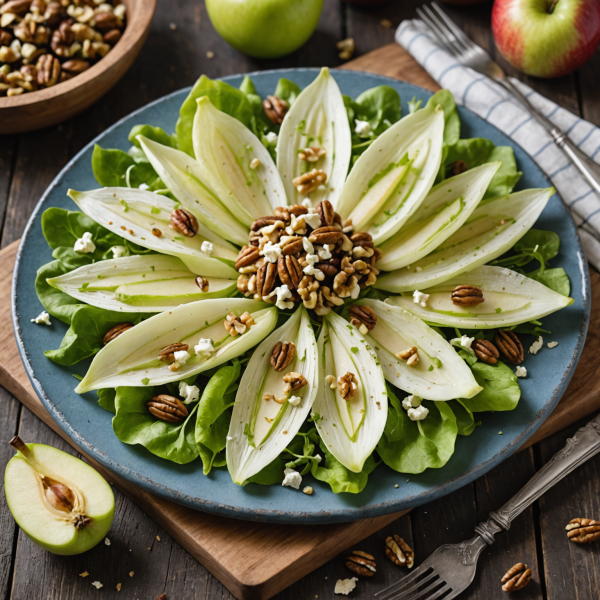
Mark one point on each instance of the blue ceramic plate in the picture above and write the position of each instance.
(89, 426)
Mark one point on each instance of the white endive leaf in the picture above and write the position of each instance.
(227, 149)
(317, 118)
(444, 210)
(190, 184)
(133, 214)
(132, 358)
(349, 428)
(440, 374)
(493, 228)
(390, 180)
(261, 429)
(510, 299)
(146, 283)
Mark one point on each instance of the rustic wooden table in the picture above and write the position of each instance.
(173, 57)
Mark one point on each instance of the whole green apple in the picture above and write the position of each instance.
(546, 38)
(265, 28)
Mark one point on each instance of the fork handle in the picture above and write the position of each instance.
(582, 446)
(583, 163)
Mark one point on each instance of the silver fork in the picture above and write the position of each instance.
(471, 55)
(451, 568)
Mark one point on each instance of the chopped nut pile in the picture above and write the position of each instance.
(301, 255)
(43, 42)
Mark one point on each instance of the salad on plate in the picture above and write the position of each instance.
(306, 284)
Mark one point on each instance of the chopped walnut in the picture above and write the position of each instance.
(312, 154)
(309, 182)
(332, 381)
(238, 325)
(410, 356)
(347, 385)
(293, 382)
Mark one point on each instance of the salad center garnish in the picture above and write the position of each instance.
(309, 256)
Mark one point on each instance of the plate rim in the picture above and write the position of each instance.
(348, 514)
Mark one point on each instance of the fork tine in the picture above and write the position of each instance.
(467, 42)
(415, 593)
(437, 33)
(395, 587)
(452, 38)
(426, 593)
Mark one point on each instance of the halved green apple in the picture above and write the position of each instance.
(59, 502)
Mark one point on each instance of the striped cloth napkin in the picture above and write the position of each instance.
(496, 105)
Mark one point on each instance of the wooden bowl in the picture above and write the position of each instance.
(34, 110)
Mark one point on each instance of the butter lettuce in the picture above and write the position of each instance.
(500, 391)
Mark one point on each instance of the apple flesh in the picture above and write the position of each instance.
(265, 28)
(546, 38)
(59, 502)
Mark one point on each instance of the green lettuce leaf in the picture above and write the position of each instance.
(500, 392)
(380, 106)
(556, 279)
(464, 418)
(156, 134)
(106, 399)
(287, 90)
(451, 120)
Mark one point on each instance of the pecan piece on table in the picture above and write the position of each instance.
(583, 531)
(309, 182)
(202, 283)
(410, 356)
(347, 386)
(266, 278)
(167, 354)
(509, 346)
(289, 271)
(326, 213)
(282, 355)
(467, 295)
(275, 108)
(516, 578)
(184, 221)
(485, 351)
(248, 256)
(399, 552)
(361, 563)
(363, 318)
(115, 332)
(167, 408)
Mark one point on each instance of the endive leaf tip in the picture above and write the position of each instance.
(204, 100)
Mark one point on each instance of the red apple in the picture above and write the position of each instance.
(546, 38)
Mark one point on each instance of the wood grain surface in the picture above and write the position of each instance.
(174, 56)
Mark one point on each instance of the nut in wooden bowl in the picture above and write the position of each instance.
(81, 84)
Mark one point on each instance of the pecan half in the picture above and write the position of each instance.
(266, 278)
(485, 351)
(115, 332)
(410, 356)
(105, 21)
(167, 408)
(291, 245)
(53, 14)
(509, 346)
(363, 317)
(289, 271)
(467, 295)
(263, 222)
(275, 108)
(327, 268)
(184, 221)
(285, 212)
(309, 182)
(248, 256)
(399, 552)
(75, 66)
(583, 531)
(361, 563)
(326, 212)
(17, 7)
(516, 578)
(312, 154)
(112, 36)
(362, 239)
(293, 382)
(48, 70)
(282, 355)
(458, 167)
(326, 235)
(167, 354)
(348, 386)
(202, 283)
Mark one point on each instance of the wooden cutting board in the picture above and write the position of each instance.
(254, 560)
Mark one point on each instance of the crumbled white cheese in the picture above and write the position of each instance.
(119, 251)
(181, 356)
(206, 248)
(143, 187)
(42, 319)
(228, 438)
(292, 479)
(420, 298)
(463, 342)
(255, 163)
(363, 128)
(552, 344)
(271, 137)
(307, 245)
(417, 414)
(345, 586)
(294, 400)
(312, 220)
(204, 347)
(418, 269)
(521, 372)
(283, 293)
(411, 401)
(271, 252)
(97, 584)
(324, 253)
(537, 346)
(189, 393)
(310, 269)
(85, 243)
(363, 329)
